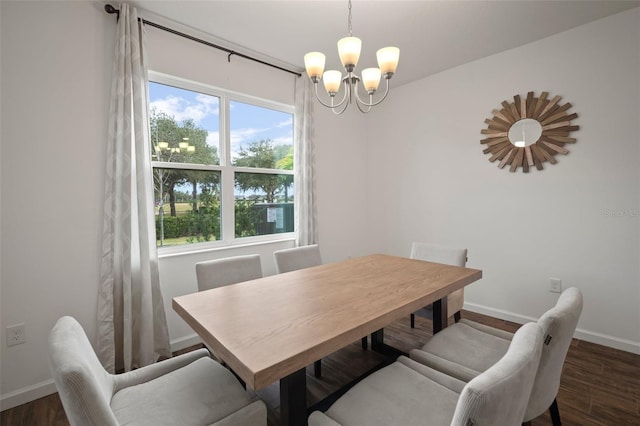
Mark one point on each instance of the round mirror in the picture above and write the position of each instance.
(525, 132)
(528, 132)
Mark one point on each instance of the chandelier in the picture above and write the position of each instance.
(349, 52)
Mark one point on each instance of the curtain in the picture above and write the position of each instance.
(306, 210)
(132, 327)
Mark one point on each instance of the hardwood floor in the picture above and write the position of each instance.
(600, 385)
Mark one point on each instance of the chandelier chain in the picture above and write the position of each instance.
(350, 32)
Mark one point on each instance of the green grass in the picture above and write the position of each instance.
(172, 242)
(179, 241)
(180, 208)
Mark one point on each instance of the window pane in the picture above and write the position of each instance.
(261, 137)
(263, 204)
(184, 125)
(187, 206)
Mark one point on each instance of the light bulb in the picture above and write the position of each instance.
(388, 58)
(371, 79)
(332, 80)
(314, 63)
(349, 51)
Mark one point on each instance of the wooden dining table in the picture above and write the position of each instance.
(271, 328)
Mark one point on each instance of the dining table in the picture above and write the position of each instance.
(270, 329)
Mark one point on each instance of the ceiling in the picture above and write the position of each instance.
(432, 35)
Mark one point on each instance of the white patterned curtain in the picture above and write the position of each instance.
(132, 327)
(306, 210)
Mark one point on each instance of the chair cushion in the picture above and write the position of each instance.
(396, 395)
(467, 346)
(201, 393)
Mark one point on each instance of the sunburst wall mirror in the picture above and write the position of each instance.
(529, 131)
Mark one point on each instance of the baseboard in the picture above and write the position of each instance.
(586, 335)
(27, 394)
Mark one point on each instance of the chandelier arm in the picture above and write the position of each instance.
(360, 101)
(315, 84)
(335, 109)
(347, 93)
(371, 103)
(386, 92)
(359, 104)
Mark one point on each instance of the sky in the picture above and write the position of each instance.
(248, 123)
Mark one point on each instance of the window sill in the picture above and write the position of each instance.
(186, 250)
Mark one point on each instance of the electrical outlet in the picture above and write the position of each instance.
(555, 285)
(16, 335)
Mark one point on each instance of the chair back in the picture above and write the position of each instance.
(439, 254)
(558, 325)
(448, 256)
(499, 396)
(229, 270)
(297, 258)
(84, 386)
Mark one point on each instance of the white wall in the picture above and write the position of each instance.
(56, 67)
(430, 181)
(56, 76)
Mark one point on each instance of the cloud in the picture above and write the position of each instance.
(202, 107)
(213, 138)
(283, 140)
(240, 136)
(287, 123)
(205, 107)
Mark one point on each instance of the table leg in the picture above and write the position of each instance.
(377, 339)
(440, 315)
(293, 399)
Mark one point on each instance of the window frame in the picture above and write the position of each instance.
(226, 169)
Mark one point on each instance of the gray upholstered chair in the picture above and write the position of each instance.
(466, 349)
(408, 393)
(228, 270)
(292, 259)
(190, 389)
(448, 256)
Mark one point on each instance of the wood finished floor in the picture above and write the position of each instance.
(600, 385)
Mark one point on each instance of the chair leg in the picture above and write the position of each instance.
(413, 321)
(317, 369)
(365, 343)
(555, 413)
(457, 316)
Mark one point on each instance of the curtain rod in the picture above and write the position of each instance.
(111, 10)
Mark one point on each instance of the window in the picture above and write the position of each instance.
(222, 164)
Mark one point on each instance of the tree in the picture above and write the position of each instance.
(259, 154)
(164, 128)
(166, 135)
(286, 163)
(262, 154)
